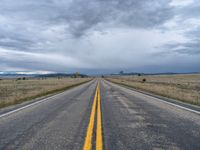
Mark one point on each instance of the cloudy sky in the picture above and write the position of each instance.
(100, 36)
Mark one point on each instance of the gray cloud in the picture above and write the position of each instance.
(85, 15)
(191, 10)
(80, 16)
(91, 34)
(190, 48)
(187, 23)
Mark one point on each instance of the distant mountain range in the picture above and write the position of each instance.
(61, 75)
(13, 74)
(164, 73)
(36, 74)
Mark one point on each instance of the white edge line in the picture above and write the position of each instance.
(182, 107)
(29, 105)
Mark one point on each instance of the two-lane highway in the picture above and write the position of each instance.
(100, 115)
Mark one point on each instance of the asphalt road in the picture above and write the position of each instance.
(129, 120)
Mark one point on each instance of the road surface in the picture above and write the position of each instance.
(100, 115)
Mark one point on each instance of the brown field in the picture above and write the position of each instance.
(181, 87)
(14, 91)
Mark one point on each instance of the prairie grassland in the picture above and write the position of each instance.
(184, 87)
(14, 91)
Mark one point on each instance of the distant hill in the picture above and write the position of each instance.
(17, 75)
(164, 73)
(62, 75)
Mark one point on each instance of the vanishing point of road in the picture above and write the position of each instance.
(100, 115)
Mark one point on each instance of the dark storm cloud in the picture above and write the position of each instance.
(23, 17)
(85, 15)
(33, 31)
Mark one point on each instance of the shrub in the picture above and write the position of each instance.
(144, 80)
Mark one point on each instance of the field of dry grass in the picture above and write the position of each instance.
(181, 87)
(14, 91)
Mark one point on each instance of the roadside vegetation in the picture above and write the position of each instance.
(185, 87)
(14, 91)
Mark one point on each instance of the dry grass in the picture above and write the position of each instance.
(181, 87)
(14, 91)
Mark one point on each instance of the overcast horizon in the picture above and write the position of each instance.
(100, 36)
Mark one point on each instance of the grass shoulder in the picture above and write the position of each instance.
(185, 88)
(14, 92)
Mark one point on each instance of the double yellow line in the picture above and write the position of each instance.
(96, 108)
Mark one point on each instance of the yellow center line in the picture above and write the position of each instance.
(99, 142)
(88, 138)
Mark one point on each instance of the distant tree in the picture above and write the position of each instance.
(77, 74)
(23, 78)
(121, 72)
(139, 74)
(18, 79)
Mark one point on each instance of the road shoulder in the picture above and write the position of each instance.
(165, 99)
